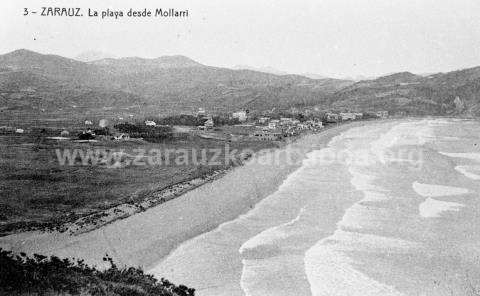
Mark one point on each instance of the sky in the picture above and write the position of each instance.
(336, 38)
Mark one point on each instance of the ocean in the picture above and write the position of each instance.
(388, 208)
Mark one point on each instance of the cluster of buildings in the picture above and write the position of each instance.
(270, 127)
(342, 116)
(275, 129)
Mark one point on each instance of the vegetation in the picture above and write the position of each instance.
(182, 119)
(23, 275)
(149, 133)
(39, 193)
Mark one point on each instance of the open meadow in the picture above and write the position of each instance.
(39, 191)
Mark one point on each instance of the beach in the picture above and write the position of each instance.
(368, 208)
(382, 209)
(144, 238)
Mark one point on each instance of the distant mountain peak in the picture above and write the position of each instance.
(93, 55)
(21, 53)
(173, 61)
(177, 60)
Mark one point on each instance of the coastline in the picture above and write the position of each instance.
(144, 238)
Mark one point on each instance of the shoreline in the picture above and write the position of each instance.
(99, 219)
(145, 238)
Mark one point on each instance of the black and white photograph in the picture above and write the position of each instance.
(240, 148)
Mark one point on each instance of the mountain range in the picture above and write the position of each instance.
(30, 81)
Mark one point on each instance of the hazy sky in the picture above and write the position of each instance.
(329, 37)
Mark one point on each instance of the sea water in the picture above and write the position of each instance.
(389, 208)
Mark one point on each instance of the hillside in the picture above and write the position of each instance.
(31, 81)
(414, 94)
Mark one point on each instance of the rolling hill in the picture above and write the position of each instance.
(30, 82)
(166, 84)
(415, 94)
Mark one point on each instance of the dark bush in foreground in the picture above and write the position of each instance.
(20, 274)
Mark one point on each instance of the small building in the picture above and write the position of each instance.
(64, 133)
(263, 120)
(19, 130)
(209, 123)
(267, 135)
(331, 117)
(150, 123)
(88, 122)
(121, 137)
(347, 116)
(302, 126)
(240, 115)
(358, 115)
(273, 124)
(382, 114)
(314, 124)
(201, 112)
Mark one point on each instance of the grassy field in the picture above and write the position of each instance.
(37, 191)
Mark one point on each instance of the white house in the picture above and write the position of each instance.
(358, 115)
(150, 123)
(240, 115)
(273, 124)
(263, 120)
(382, 114)
(201, 112)
(331, 117)
(88, 122)
(347, 116)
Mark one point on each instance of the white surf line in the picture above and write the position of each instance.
(433, 190)
(269, 235)
(465, 170)
(266, 237)
(432, 208)
(470, 155)
(331, 272)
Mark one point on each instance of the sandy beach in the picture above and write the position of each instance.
(387, 216)
(390, 215)
(143, 239)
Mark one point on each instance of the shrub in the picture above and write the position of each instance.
(42, 275)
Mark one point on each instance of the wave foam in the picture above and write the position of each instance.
(467, 171)
(432, 208)
(330, 271)
(270, 235)
(472, 155)
(432, 190)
